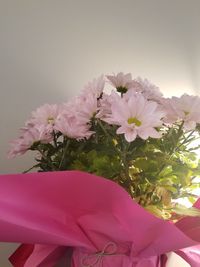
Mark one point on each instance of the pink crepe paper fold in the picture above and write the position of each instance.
(57, 210)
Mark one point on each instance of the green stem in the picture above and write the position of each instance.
(108, 135)
(64, 153)
(187, 139)
(48, 160)
(174, 147)
(54, 139)
(37, 165)
(123, 155)
(124, 160)
(103, 128)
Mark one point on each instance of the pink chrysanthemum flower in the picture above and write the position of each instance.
(149, 90)
(105, 104)
(184, 108)
(136, 117)
(122, 82)
(87, 108)
(45, 115)
(95, 87)
(75, 117)
(29, 136)
(87, 104)
(73, 127)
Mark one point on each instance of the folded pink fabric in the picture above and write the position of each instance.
(95, 216)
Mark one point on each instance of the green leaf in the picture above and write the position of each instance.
(166, 172)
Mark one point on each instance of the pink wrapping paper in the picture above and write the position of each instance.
(50, 212)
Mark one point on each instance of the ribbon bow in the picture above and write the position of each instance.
(92, 260)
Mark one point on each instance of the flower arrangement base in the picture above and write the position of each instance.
(52, 211)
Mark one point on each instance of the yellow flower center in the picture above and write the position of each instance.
(186, 113)
(50, 120)
(134, 120)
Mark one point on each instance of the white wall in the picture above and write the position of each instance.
(50, 48)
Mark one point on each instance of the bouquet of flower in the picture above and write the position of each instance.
(130, 134)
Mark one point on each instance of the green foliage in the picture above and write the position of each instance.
(155, 172)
